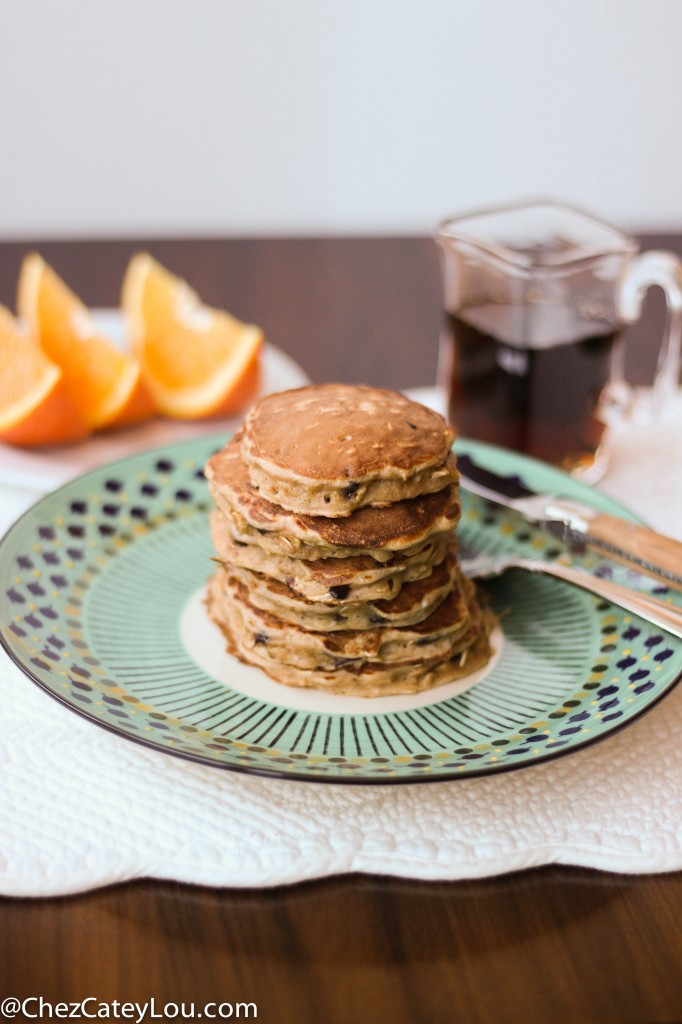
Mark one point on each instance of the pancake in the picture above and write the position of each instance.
(332, 580)
(292, 645)
(414, 602)
(337, 558)
(226, 526)
(329, 449)
(284, 544)
(403, 524)
(360, 678)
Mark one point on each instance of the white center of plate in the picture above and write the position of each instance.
(205, 645)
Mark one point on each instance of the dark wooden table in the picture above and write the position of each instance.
(561, 945)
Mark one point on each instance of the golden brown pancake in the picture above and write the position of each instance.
(304, 434)
(359, 678)
(356, 578)
(393, 527)
(328, 449)
(285, 544)
(293, 645)
(414, 602)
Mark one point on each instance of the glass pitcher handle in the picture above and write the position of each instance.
(653, 268)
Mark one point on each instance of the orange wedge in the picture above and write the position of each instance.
(196, 361)
(35, 405)
(105, 385)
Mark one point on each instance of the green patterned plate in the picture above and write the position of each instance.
(101, 589)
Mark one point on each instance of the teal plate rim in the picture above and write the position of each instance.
(374, 770)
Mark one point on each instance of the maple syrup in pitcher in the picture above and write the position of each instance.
(535, 296)
(536, 390)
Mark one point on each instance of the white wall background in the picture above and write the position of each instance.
(162, 117)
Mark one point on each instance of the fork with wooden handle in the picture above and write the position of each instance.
(480, 564)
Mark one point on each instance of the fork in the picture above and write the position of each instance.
(482, 565)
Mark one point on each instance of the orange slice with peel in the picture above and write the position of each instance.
(35, 404)
(106, 385)
(197, 362)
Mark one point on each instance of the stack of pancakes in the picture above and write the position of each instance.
(334, 533)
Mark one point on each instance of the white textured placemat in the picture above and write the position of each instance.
(81, 808)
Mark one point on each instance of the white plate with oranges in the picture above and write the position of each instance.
(82, 387)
